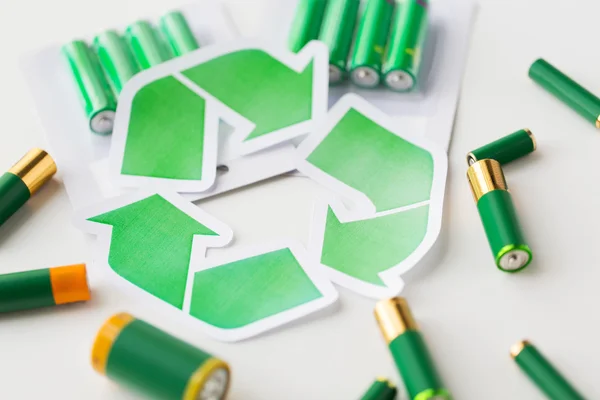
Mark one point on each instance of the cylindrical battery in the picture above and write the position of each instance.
(506, 149)
(179, 35)
(147, 47)
(409, 350)
(542, 373)
(43, 288)
(23, 180)
(137, 354)
(116, 59)
(406, 44)
(381, 389)
(498, 215)
(337, 32)
(369, 46)
(97, 97)
(567, 90)
(307, 23)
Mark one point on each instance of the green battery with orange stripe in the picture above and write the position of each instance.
(143, 357)
(43, 288)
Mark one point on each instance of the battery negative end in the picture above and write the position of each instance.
(105, 338)
(514, 260)
(532, 137)
(335, 74)
(103, 122)
(400, 81)
(598, 122)
(209, 382)
(365, 77)
(518, 347)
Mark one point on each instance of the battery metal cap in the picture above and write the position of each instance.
(598, 122)
(105, 339)
(518, 347)
(394, 318)
(485, 176)
(70, 284)
(34, 169)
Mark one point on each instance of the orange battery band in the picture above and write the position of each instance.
(69, 284)
(105, 339)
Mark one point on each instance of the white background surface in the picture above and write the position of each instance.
(470, 312)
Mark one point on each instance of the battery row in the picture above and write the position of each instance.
(100, 70)
(384, 44)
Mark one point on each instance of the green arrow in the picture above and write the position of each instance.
(363, 249)
(236, 294)
(160, 143)
(259, 87)
(151, 246)
(391, 171)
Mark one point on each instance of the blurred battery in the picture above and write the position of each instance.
(97, 97)
(307, 23)
(178, 33)
(337, 32)
(371, 39)
(116, 59)
(406, 44)
(147, 47)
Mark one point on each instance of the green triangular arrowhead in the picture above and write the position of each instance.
(239, 293)
(258, 87)
(165, 136)
(391, 171)
(363, 249)
(151, 246)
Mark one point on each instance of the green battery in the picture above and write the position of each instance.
(147, 47)
(542, 373)
(506, 149)
(43, 288)
(116, 59)
(381, 389)
(23, 180)
(409, 350)
(178, 33)
(406, 44)
(369, 47)
(567, 90)
(135, 353)
(97, 97)
(337, 32)
(307, 23)
(498, 215)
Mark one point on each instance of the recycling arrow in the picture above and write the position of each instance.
(395, 183)
(257, 289)
(168, 116)
(156, 242)
(149, 240)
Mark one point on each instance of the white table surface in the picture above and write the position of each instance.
(470, 312)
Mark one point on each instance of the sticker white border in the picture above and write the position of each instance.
(314, 52)
(365, 211)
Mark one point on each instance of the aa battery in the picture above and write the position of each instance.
(43, 288)
(505, 149)
(381, 389)
(542, 373)
(498, 215)
(369, 46)
(116, 59)
(23, 180)
(147, 47)
(307, 23)
(97, 97)
(406, 44)
(409, 350)
(137, 354)
(337, 32)
(566, 90)
(180, 37)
